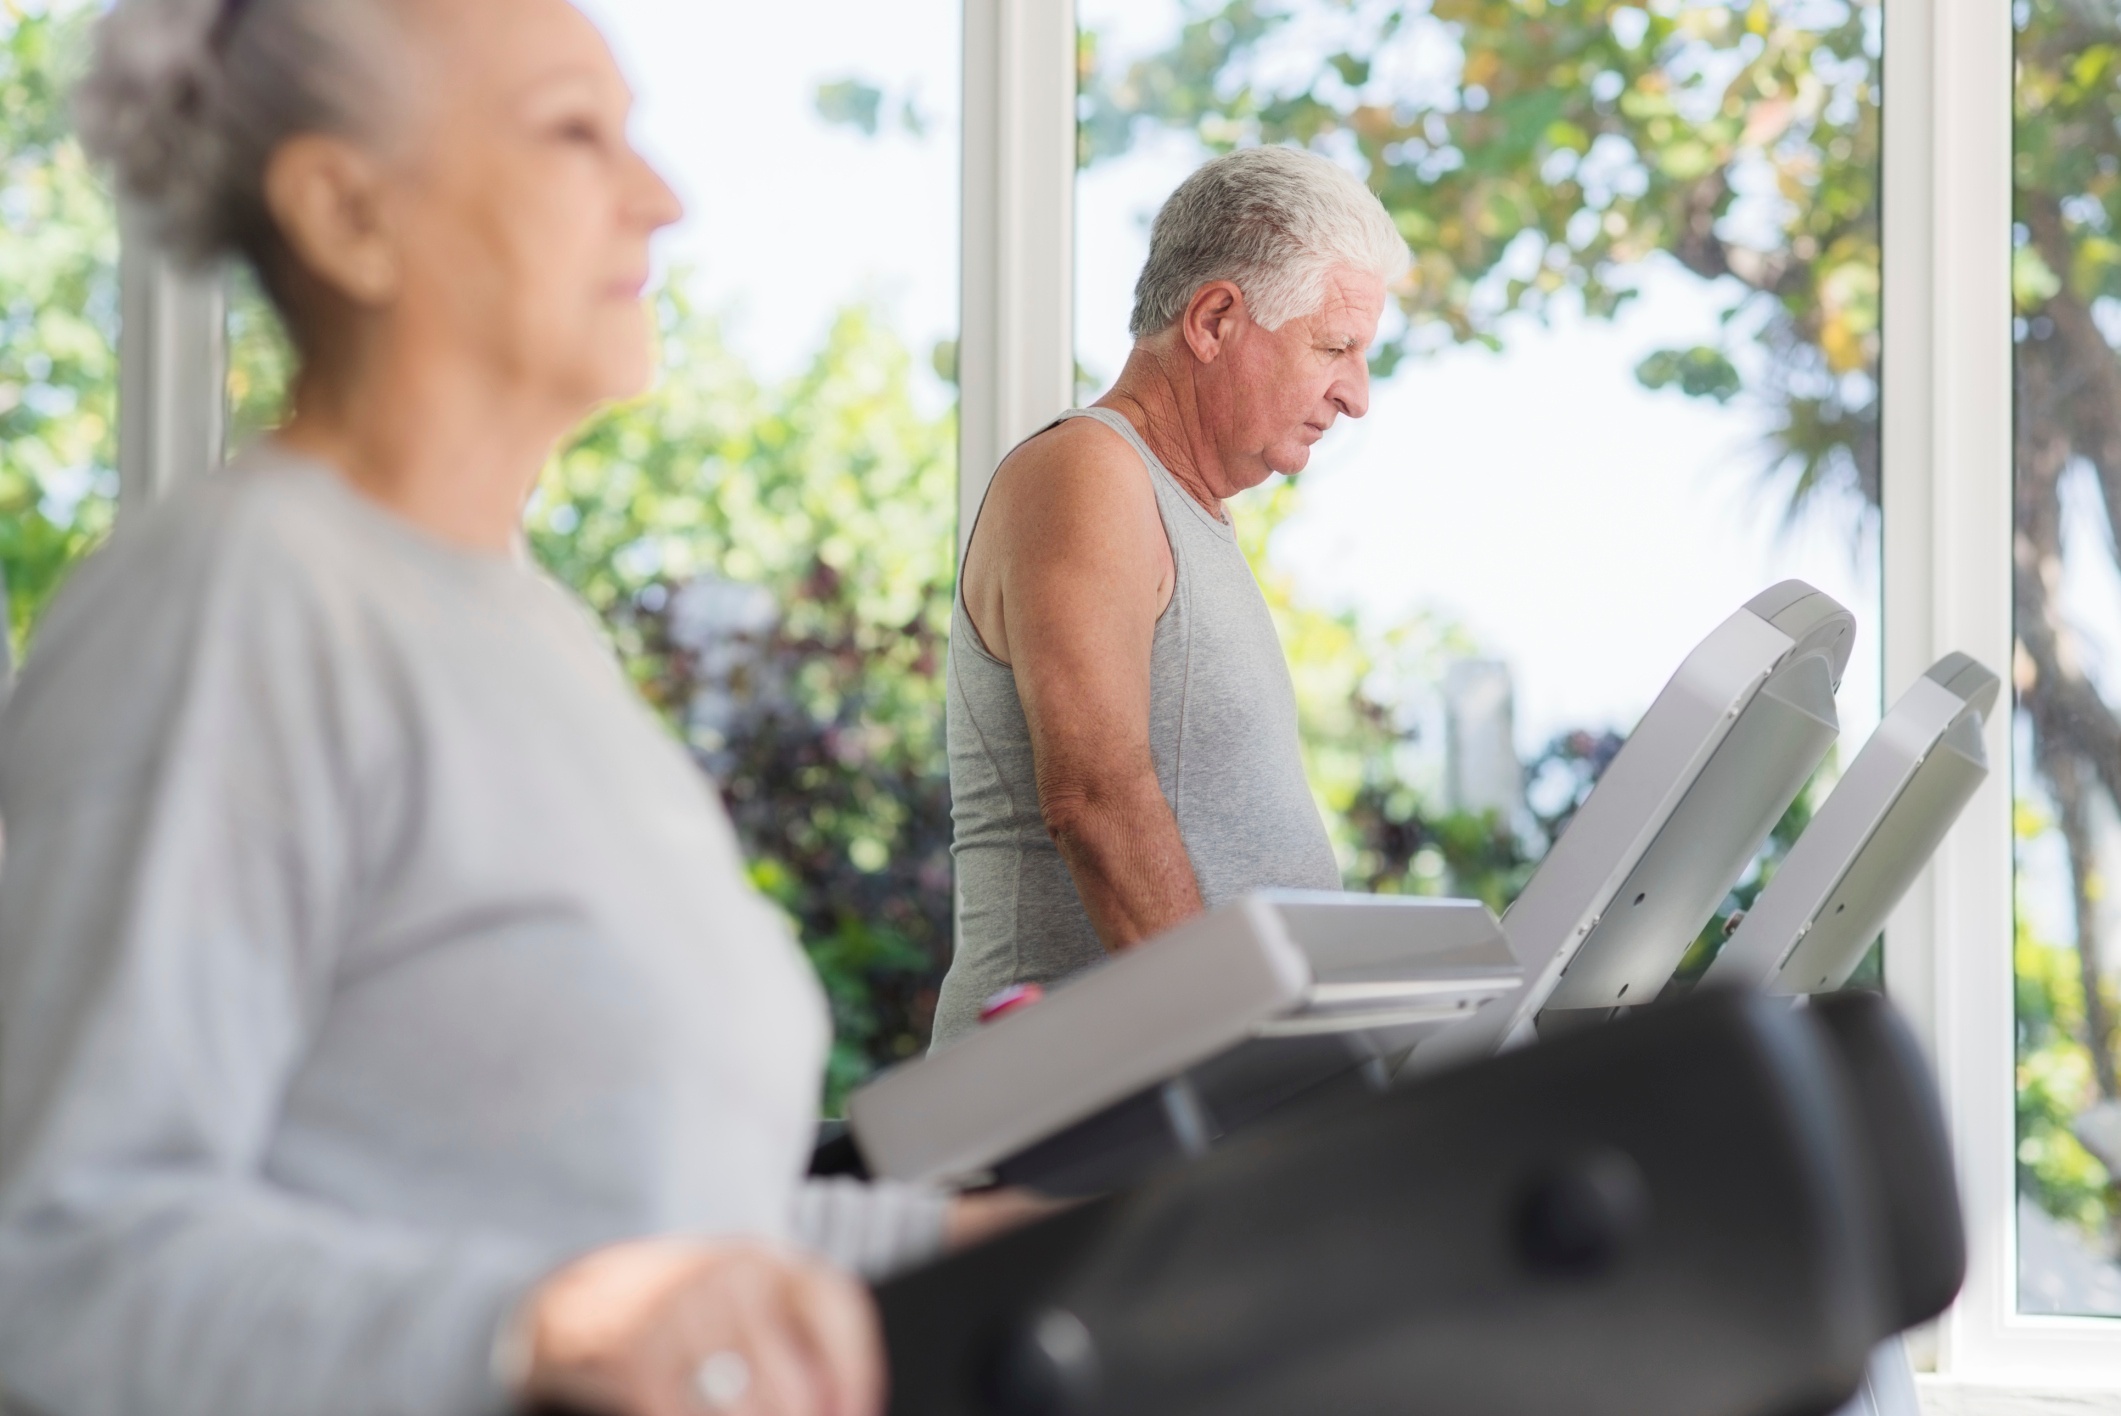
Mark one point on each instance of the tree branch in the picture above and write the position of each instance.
(2065, 707)
(2063, 776)
(2086, 395)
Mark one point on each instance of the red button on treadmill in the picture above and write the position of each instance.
(1015, 996)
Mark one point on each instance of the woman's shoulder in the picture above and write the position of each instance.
(264, 509)
(187, 557)
(228, 581)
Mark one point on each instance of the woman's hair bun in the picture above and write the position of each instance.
(186, 100)
(155, 107)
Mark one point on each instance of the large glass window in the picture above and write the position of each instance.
(2066, 285)
(58, 320)
(1631, 382)
(769, 535)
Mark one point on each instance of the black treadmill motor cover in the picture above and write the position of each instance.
(1711, 1208)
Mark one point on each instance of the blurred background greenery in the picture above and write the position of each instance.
(773, 562)
(773, 557)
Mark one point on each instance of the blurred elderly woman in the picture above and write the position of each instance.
(374, 970)
(1123, 738)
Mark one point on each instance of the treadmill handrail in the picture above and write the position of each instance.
(957, 1111)
(1950, 700)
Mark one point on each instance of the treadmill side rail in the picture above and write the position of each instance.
(1718, 828)
(1249, 1005)
(1851, 917)
(1812, 924)
(1105, 1034)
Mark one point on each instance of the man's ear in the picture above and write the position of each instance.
(326, 196)
(1211, 317)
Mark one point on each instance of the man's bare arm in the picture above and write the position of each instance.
(1068, 591)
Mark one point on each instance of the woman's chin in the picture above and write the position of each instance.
(621, 374)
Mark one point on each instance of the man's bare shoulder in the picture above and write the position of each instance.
(1078, 476)
(1069, 528)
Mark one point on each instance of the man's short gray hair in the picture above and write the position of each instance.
(1277, 221)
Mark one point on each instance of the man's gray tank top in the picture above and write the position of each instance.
(1222, 733)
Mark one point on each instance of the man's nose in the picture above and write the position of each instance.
(1352, 395)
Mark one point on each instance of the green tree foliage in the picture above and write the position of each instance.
(261, 360)
(2066, 286)
(1352, 682)
(1535, 150)
(2056, 1081)
(58, 317)
(775, 566)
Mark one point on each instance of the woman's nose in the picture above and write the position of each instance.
(657, 204)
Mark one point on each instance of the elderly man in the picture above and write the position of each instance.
(1123, 737)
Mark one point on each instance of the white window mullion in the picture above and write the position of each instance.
(172, 361)
(1947, 389)
(1970, 576)
(1016, 345)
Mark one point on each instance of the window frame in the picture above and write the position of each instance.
(1949, 468)
(1947, 389)
(172, 366)
(1016, 313)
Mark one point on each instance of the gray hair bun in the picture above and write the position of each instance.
(154, 108)
(186, 100)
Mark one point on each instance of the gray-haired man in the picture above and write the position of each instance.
(1123, 738)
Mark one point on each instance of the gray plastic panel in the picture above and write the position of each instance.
(1874, 882)
(1627, 820)
(1264, 975)
(1814, 621)
(1110, 1031)
(1352, 938)
(1707, 842)
(1811, 926)
(1779, 597)
(1966, 678)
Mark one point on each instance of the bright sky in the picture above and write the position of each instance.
(789, 218)
(1583, 529)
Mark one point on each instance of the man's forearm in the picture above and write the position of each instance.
(1129, 863)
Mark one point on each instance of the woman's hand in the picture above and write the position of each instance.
(676, 1328)
(986, 1214)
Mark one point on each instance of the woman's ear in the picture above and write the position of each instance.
(327, 197)
(1211, 317)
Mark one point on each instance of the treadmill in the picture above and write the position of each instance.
(1158, 1053)
(1805, 933)
(1722, 1207)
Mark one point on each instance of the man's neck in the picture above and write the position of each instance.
(1163, 409)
